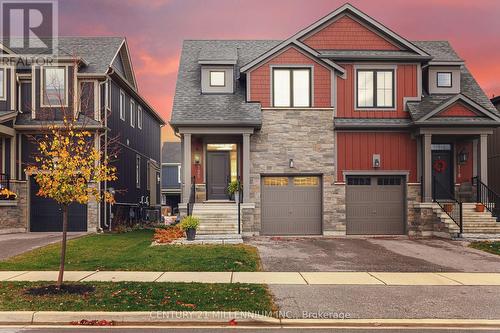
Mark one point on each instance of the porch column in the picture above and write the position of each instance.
(483, 155)
(186, 166)
(246, 167)
(427, 168)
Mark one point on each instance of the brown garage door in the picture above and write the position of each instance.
(375, 205)
(291, 205)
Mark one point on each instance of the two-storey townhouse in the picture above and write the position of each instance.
(95, 82)
(346, 127)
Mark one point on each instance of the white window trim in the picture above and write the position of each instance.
(137, 171)
(179, 174)
(42, 86)
(139, 117)
(377, 67)
(122, 105)
(3, 91)
(132, 109)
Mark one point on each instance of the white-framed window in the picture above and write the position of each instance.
(375, 88)
(122, 105)
(179, 174)
(138, 171)
(132, 113)
(108, 94)
(291, 87)
(139, 117)
(444, 80)
(163, 199)
(217, 79)
(2, 84)
(54, 86)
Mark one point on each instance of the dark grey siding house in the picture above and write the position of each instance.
(171, 175)
(100, 90)
(494, 154)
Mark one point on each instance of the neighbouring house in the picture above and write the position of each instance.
(171, 176)
(494, 154)
(346, 127)
(95, 77)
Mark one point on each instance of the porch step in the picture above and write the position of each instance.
(216, 218)
(474, 223)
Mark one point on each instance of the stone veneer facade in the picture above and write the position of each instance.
(14, 214)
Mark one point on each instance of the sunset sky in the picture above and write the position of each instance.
(155, 29)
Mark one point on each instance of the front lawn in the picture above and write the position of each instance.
(491, 247)
(135, 296)
(132, 252)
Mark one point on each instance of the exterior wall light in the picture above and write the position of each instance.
(376, 161)
(291, 164)
(463, 156)
(197, 158)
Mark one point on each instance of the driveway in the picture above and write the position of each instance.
(371, 254)
(14, 244)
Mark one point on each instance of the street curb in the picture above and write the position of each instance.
(222, 318)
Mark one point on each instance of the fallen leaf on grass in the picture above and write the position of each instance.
(233, 322)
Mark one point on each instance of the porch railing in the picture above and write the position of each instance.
(192, 197)
(239, 199)
(489, 198)
(4, 181)
(451, 206)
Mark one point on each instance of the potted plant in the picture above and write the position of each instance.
(189, 224)
(233, 189)
(448, 207)
(479, 207)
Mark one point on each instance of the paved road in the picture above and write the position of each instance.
(413, 302)
(226, 330)
(14, 244)
(372, 255)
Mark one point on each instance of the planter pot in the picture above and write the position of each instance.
(479, 208)
(448, 208)
(190, 234)
(236, 196)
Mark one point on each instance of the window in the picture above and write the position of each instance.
(292, 87)
(305, 181)
(179, 174)
(375, 88)
(122, 105)
(132, 113)
(2, 83)
(138, 171)
(276, 181)
(358, 181)
(385, 181)
(54, 86)
(444, 80)
(139, 117)
(217, 78)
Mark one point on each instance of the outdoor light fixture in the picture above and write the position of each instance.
(197, 158)
(376, 161)
(463, 156)
(291, 164)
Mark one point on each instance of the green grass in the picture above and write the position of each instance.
(491, 247)
(134, 296)
(132, 252)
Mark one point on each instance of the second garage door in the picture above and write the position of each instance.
(291, 205)
(375, 205)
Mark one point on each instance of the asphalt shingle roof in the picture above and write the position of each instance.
(438, 49)
(171, 152)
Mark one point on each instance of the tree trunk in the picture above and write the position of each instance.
(63, 245)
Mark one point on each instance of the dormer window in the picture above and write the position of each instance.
(217, 78)
(54, 86)
(444, 79)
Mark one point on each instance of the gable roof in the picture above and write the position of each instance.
(345, 9)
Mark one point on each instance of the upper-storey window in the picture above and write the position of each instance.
(132, 113)
(217, 78)
(444, 79)
(375, 88)
(54, 86)
(139, 117)
(2, 83)
(292, 87)
(122, 105)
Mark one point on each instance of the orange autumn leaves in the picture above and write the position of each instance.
(69, 165)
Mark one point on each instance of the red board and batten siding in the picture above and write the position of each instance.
(347, 34)
(406, 86)
(260, 78)
(398, 151)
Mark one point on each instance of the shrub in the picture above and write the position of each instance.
(233, 187)
(190, 222)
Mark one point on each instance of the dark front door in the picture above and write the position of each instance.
(442, 174)
(217, 175)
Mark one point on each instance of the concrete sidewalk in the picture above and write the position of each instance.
(278, 278)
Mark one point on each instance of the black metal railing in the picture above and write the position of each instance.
(450, 205)
(4, 181)
(239, 199)
(485, 195)
(192, 197)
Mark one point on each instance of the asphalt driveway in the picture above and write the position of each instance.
(14, 244)
(371, 254)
